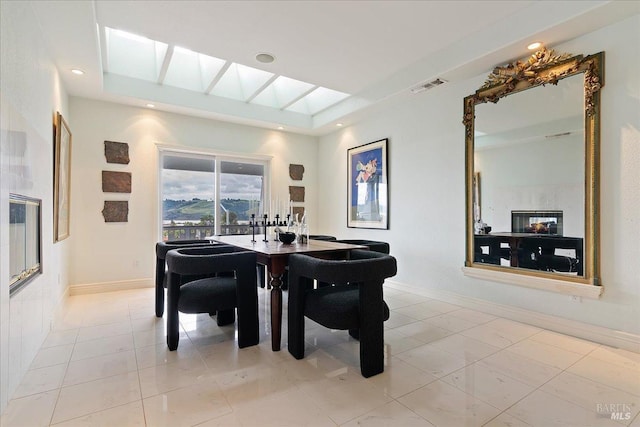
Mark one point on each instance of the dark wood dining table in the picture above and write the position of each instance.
(513, 239)
(548, 243)
(275, 256)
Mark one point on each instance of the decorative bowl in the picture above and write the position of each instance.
(287, 237)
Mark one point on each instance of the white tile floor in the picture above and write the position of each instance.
(107, 364)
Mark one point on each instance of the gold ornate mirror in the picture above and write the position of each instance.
(532, 159)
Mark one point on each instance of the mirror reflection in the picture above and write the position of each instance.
(532, 153)
(529, 186)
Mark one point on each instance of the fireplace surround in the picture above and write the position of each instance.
(537, 222)
(24, 241)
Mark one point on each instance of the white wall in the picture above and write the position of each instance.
(103, 253)
(511, 178)
(31, 92)
(427, 190)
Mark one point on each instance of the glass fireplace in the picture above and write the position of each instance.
(24, 241)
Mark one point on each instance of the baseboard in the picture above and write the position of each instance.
(599, 334)
(96, 288)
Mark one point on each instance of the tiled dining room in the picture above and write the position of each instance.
(107, 364)
(341, 213)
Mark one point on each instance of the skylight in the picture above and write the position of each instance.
(141, 58)
(282, 92)
(318, 100)
(191, 70)
(241, 82)
(134, 56)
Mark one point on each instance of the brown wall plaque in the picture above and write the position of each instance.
(116, 182)
(296, 172)
(116, 211)
(116, 152)
(296, 194)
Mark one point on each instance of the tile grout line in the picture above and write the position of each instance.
(543, 384)
(504, 373)
(55, 406)
(84, 382)
(135, 354)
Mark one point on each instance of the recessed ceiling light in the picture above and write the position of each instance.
(151, 105)
(339, 125)
(77, 72)
(534, 45)
(265, 58)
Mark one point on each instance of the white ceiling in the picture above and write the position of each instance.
(374, 50)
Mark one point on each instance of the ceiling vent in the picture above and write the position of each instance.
(426, 86)
(557, 135)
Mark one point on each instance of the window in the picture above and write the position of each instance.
(205, 194)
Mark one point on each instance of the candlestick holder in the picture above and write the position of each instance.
(252, 224)
(266, 224)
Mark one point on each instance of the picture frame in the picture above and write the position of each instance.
(368, 191)
(61, 180)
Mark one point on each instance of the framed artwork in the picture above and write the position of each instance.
(368, 193)
(61, 180)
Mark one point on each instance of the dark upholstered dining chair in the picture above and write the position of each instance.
(322, 237)
(221, 293)
(161, 253)
(355, 302)
(373, 245)
(493, 253)
(539, 252)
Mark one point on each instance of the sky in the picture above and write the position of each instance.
(187, 185)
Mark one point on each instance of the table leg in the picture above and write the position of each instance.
(513, 252)
(276, 310)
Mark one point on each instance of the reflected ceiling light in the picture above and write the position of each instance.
(77, 71)
(265, 58)
(280, 127)
(534, 45)
(151, 105)
(339, 125)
